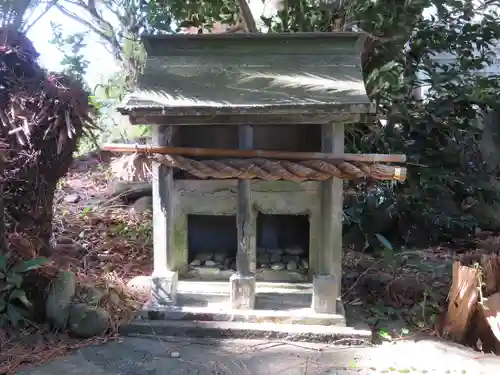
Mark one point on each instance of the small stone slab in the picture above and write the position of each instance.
(324, 299)
(164, 288)
(242, 292)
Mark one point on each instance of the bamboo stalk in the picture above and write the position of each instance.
(237, 153)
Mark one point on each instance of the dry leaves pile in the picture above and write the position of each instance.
(106, 245)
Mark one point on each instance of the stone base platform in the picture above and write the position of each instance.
(282, 310)
(222, 313)
(333, 335)
(269, 295)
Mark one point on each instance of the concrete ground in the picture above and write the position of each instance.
(151, 355)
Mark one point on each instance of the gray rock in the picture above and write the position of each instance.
(304, 264)
(129, 191)
(291, 265)
(295, 250)
(210, 263)
(275, 251)
(220, 257)
(203, 257)
(140, 284)
(208, 272)
(278, 266)
(274, 258)
(143, 205)
(233, 265)
(261, 250)
(195, 263)
(290, 258)
(59, 297)
(93, 296)
(263, 258)
(72, 198)
(264, 265)
(88, 321)
(227, 263)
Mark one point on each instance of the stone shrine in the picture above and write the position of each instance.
(266, 247)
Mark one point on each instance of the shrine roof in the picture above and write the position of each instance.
(220, 75)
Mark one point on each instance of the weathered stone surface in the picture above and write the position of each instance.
(220, 257)
(263, 258)
(88, 321)
(242, 292)
(291, 266)
(290, 258)
(324, 294)
(220, 198)
(203, 257)
(275, 251)
(304, 264)
(195, 263)
(140, 284)
(295, 250)
(164, 288)
(227, 262)
(275, 258)
(278, 266)
(143, 205)
(59, 297)
(92, 295)
(210, 263)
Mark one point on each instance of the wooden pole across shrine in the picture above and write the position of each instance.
(244, 153)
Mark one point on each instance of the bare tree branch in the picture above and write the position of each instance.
(91, 17)
(103, 28)
(247, 16)
(29, 25)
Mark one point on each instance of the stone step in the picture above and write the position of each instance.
(223, 312)
(220, 329)
(261, 287)
(268, 295)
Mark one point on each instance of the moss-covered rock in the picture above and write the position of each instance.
(88, 321)
(59, 297)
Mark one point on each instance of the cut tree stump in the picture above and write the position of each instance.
(462, 299)
(490, 313)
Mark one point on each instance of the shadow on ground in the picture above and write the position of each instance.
(181, 356)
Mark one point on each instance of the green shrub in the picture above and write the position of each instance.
(15, 306)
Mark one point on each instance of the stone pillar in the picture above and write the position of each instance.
(164, 278)
(328, 276)
(243, 281)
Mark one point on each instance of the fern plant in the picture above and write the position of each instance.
(14, 303)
